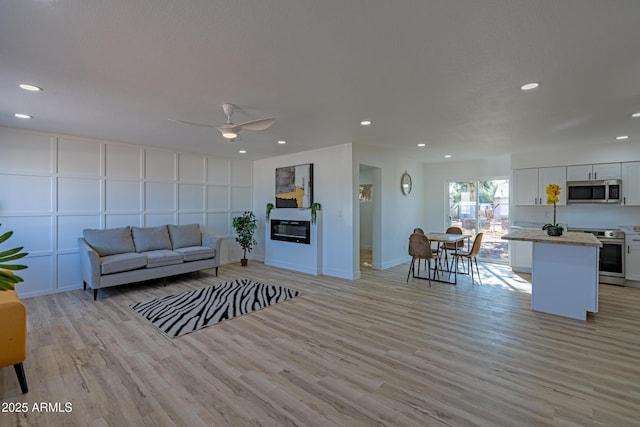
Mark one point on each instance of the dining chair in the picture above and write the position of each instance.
(418, 230)
(445, 248)
(420, 249)
(472, 256)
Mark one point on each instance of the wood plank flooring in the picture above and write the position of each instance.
(375, 351)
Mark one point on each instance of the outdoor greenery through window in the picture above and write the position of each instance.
(365, 192)
(482, 206)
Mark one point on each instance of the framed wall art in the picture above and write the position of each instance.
(294, 186)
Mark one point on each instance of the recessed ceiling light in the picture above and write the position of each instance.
(635, 115)
(29, 87)
(242, 151)
(22, 116)
(365, 122)
(282, 142)
(422, 144)
(529, 86)
(447, 156)
(622, 137)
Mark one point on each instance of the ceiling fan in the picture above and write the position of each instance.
(230, 130)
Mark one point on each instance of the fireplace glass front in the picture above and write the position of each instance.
(291, 231)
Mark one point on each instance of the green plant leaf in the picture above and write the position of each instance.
(12, 278)
(6, 286)
(7, 278)
(13, 267)
(9, 256)
(11, 252)
(5, 236)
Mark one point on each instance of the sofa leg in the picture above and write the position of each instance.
(22, 378)
(84, 285)
(95, 294)
(164, 281)
(216, 271)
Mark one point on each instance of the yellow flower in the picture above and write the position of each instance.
(553, 193)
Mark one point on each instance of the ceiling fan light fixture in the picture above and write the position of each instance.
(229, 134)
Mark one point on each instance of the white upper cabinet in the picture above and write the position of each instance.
(593, 172)
(530, 185)
(556, 175)
(525, 189)
(631, 184)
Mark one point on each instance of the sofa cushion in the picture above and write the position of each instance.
(110, 241)
(162, 257)
(151, 238)
(185, 235)
(194, 253)
(122, 262)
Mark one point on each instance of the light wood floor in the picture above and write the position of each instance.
(376, 351)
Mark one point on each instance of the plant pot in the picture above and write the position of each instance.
(554, 231)
(243, 262)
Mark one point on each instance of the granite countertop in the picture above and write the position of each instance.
(567, 238)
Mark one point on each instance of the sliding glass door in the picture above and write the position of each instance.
(482, 206)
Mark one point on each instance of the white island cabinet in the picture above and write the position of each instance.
(564, 272)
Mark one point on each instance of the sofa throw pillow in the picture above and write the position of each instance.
(110, 241)
(185, 235)
(151, 238)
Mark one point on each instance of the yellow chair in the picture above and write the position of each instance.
(13, 334)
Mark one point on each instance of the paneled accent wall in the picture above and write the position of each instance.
(52, 187)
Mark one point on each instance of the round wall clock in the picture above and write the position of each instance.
(405, 183)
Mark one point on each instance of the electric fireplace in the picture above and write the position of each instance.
(291, 231)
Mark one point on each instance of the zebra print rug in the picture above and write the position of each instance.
(186, 312)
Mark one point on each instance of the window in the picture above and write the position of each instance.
(482, 206)
(365, 192)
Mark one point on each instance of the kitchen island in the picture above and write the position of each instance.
(564, 272)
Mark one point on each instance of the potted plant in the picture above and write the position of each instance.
(7, 278)
(245, 226)
(269, 207)
(315, 207)
(553, 197)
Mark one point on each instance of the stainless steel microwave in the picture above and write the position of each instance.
(605, 191)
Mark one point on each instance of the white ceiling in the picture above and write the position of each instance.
(442, 72)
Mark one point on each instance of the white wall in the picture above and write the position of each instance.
(333, 184)
(55, 186)
(399, 214)
(579, 216)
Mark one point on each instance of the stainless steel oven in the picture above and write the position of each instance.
(611, 255)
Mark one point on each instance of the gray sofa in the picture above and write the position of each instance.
(117, 256)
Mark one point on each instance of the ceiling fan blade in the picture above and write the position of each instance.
(260, 124)
(194, 124)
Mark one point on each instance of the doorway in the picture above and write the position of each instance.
(369, 183)
(482, 206)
